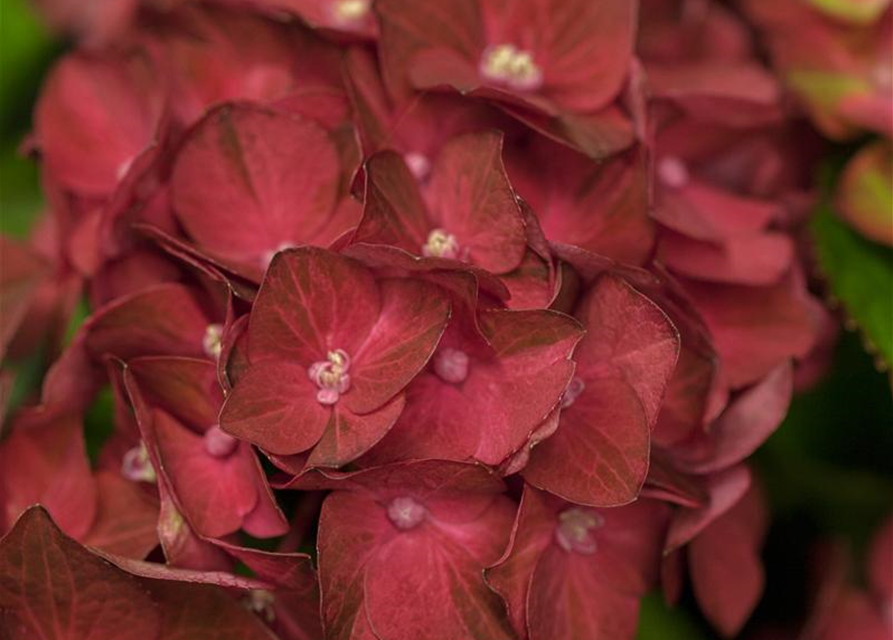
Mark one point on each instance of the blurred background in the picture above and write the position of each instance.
(827, 472)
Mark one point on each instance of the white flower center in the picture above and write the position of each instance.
(261, 601)
(451, 365)
(219, 443)
(347, 11)
(575, 530)
(405, 513)
(331, 376)
(136, 465)
(507, 64)
(673, 172)
(418, 164)
(441, 244)
(212, 341)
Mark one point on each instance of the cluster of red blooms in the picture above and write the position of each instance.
(492, 299)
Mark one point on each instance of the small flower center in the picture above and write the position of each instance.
(673, 172)
(573, 391)
(575, 530)
(219, 443)
(441, 244)
(451, 365)
(418, 164)
(212, 342)
(260, 601)
(331, 376)
(350, 10)
(136, 465)
(512, 66)
(405, 513)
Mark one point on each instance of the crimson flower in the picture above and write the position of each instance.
(402, 549)
(599, 452)
(483, 394)
(108, 595)
(214, 478)
(575, 59)
(556, 66)
(331, 347)
(468, 212)
(94, 117)
(562, 554)
(250, 181)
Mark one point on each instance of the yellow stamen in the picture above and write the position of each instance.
(510, 65)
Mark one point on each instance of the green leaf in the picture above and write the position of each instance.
(861, 12)
(99, 423)
(21, 200)
(860, 275)
(829, 463)
(658, 621)
(25, 49)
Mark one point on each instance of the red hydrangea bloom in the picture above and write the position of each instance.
(211, 55)
(331, 347)
(249, 182)
(599, 453)
(509, 291)
(725, 565)
(402, 549)
(215, 479)
(38, 293)
(718, 202)
(483, 395)
(840, 69)
(576, 59)
(560, 77)
(341, 17)
(102, 109)
(99, 508)
(51, 454)
(562, 554)
(468, 211)
(383, 123)
(601, 208)
(702, 57)
(109, 595)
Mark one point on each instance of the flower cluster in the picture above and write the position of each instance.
(837, 59)
(440, 320)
